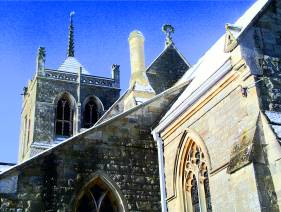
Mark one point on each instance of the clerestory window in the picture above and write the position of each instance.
(64, 117)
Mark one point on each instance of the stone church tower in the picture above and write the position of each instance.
(59, 103)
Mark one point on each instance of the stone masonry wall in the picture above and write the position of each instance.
(27, 113)
(261, 47)
(123, 150)
(262, 50)
(230, 126)
(49, 90)
(221, 123)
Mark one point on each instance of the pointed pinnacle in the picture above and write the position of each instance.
(70, 51)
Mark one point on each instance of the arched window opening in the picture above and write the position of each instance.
(97, 198)
(64, 117)
(91, 113)
(196, 182)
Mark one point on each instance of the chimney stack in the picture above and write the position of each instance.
(140, 89)
(136, 43)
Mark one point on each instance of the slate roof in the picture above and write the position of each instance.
(71, 64)
(167, 69)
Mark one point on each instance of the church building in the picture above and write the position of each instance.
(192, 138)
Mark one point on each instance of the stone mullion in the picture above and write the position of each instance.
(201, 191)
(188, 201)
(187, 195)
(62, 124)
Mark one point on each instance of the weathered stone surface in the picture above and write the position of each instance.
(121, 149)
(39, 107)
(245, 167)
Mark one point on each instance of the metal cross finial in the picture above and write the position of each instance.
(168, 29)
(70, 51)
(72, 13)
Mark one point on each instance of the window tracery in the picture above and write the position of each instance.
(195, 180)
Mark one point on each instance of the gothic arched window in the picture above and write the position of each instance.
(90, 113)
(64, 117)
(97, 198)
(195, 180)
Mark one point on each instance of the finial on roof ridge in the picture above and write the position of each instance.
(70, 50)
(168, 29)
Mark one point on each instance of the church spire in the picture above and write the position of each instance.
(70, 50)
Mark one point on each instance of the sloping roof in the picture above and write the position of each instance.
(5, 166)
(167, 69)
(143, 113)
(211, 67)
(71, 64)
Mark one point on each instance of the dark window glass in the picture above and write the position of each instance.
(97, 199)
(207, 192)
(194, 195)
(64, 117)
(90, 114)
(67, 112)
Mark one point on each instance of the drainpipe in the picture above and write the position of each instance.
(161, 170)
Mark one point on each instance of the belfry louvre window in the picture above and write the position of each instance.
(64, 117)
(196, 181)
(90, 115)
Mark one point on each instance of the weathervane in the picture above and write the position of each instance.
(70, 51)
(168, 29)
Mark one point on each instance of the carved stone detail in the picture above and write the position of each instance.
(85, 79)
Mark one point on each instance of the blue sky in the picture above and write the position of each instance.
(101, 39)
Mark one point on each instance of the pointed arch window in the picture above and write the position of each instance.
(64, 117)
(91, 113)
(97, 198)
(195, 180)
